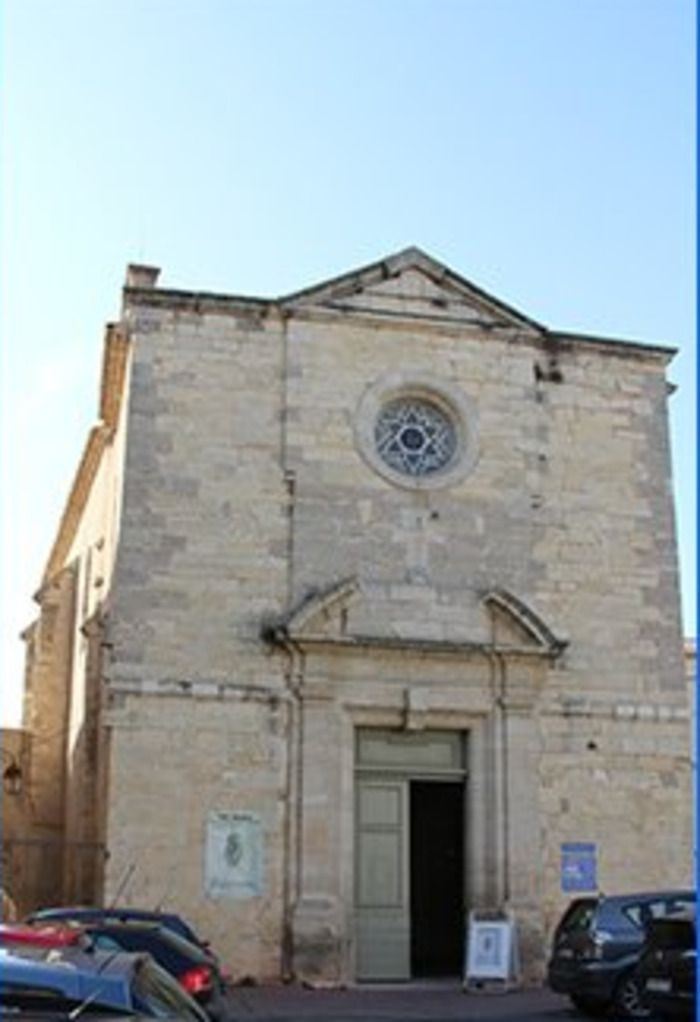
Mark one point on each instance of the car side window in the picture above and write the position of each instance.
(105, 943)
(633, 914)
(642, 913)
(679, 905)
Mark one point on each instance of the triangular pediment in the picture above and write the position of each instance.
(412, 285)
(344, 614)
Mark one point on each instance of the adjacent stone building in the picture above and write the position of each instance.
(364, 612)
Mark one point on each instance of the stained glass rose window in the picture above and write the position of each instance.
(414, 436)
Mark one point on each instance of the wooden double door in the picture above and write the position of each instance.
(410, 876)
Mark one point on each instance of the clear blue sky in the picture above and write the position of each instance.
(542, 148)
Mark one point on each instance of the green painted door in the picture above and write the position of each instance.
(382, 887)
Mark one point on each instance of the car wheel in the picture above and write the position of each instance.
(587, 1006)
(628, 1001)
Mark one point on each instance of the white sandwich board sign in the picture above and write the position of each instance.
(492, 953)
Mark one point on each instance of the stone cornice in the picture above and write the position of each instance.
(98, 439)
(114, 365)
(611, 345)
(194, 301)
(202, 302)
(338, 296)
(412, 646)
(645, 713)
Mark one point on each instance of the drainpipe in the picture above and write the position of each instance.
(293, 677)
(505, 791)
(288, 474)
(294, 774)
(499, 686)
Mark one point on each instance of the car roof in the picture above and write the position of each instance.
(73, 971)
(685, 895)
(682, 916)
(151, 931)
(132, 925)
(94, 911)
(85, 912)
(140, 926)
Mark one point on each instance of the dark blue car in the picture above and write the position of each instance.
(88, 914)
(71, 978)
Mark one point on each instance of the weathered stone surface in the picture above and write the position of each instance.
(246, 498)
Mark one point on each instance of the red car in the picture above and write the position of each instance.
(20, 934)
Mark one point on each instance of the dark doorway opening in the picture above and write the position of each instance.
(437, 877)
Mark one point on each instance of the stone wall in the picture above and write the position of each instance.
(16, 821)
(174, 762)
(67, 777)
(248, 494)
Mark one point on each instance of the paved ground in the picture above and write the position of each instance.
(423, 1002)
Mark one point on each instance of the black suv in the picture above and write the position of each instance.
(597, 946)
(668, 966)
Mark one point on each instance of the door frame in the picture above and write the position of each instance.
(449, 755)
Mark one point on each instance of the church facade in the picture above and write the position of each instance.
(364, 613)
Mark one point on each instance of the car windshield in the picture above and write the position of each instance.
(160, 995)
(578, 916)
(178, 943)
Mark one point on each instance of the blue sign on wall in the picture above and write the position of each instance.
(578, 867)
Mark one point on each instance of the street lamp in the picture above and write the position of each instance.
(12, 777)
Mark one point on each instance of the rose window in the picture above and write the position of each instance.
(415, 437)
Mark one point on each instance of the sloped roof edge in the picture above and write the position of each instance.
(392, 265)
(383, 269)
(114, 361)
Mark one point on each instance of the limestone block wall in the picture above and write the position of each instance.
(457, 542)
(621, 780)
(174, 761)
(16, 822)
(203, 553)
(604, 543)
(47, 693)
(238, 422)
(49, 651)
(92, 552)
(246, 490)
(63, 672)
(202, 563)
(569, 505)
